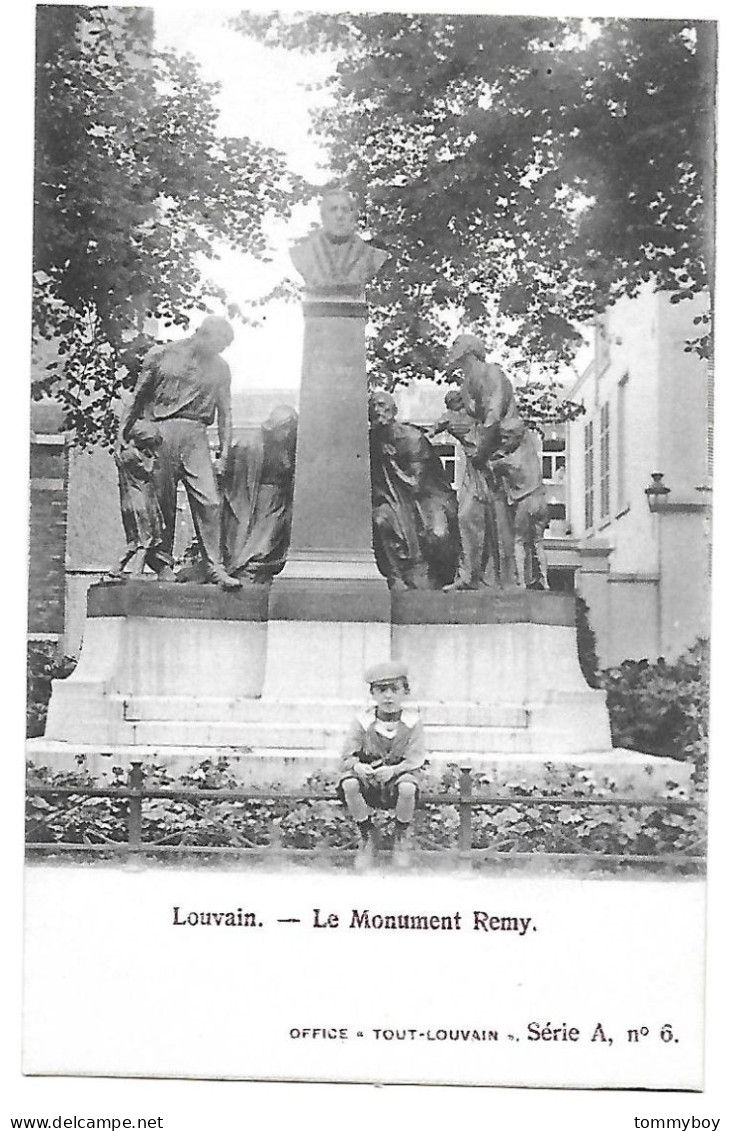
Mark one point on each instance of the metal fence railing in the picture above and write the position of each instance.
(136, 792)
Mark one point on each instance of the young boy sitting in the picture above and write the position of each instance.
(381, 759)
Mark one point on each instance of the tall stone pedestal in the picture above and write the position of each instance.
(329, 610)
(331, 517)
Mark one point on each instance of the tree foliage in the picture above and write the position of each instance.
(134, 188)
(523, 172)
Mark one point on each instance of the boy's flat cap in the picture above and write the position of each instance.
(388, 670)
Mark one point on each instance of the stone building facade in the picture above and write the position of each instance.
(643, 559)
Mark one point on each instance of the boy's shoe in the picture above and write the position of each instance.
(365, 856)
(402, 848)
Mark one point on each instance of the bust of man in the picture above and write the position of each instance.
(334, 261)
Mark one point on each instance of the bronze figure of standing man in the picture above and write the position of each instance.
(183, 388)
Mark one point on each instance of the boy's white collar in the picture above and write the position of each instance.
(409, 716)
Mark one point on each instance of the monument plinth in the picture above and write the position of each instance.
(173, 674)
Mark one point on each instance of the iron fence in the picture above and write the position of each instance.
(136, 792)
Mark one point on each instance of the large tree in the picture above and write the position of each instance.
(134, 190)
(523, 172)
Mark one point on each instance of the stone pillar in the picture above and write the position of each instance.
(329, 609)
(331, 519)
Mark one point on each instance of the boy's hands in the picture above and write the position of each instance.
(373, 773)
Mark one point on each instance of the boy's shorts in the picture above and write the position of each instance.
(380, 795)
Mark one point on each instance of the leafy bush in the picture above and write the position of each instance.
(45, 662)
(662, 708)
(52, 818)
(638, 830)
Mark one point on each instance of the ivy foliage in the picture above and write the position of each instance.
(661, 707)
(45, 663)
(134, 188)
(522, 172)
(586, 643)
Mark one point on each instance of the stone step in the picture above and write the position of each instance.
(140, 708)
(640, 775)
(313, 736)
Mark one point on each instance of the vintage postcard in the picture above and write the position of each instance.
(371, 467)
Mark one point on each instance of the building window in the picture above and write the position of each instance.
(561, 579)
(553, 473)
(622, 499)
(589, 475)
(448, 455)
(604, 461)
(554, 466)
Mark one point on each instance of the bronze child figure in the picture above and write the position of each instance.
(141, 515)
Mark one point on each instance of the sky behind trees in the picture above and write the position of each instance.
(263, 95)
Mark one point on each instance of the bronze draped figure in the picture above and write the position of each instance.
(256, 499)
(415, 531)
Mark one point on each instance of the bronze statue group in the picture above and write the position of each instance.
(240, 503)
(424, 535)
(491, 533)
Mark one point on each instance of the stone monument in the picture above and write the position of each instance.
(270, 675)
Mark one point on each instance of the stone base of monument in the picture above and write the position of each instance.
(175, 674)
(643, 775)
(168, 665)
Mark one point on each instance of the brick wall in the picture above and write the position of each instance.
(48, 514)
